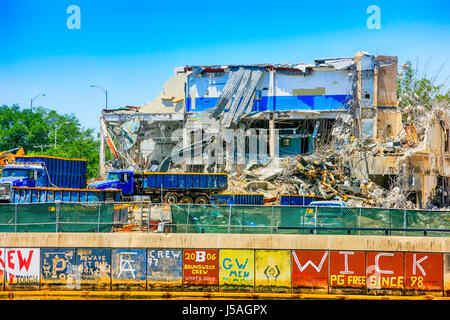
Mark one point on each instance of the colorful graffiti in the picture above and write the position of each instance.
(236, 270)
(347, 272)
(93, 271)
(231, 270)
(200, 268)
(129, 269)
(310, 271)
(423, 271)
(165, 269)
(272, 271)
(2, 269)
(58, 268)
(447, 274)
(385, 272)
(22, 268)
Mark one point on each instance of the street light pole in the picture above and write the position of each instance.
(105, 92)
(31, 104)
(56, 130)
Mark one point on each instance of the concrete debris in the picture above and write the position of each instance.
(344, 169)
(170, 99)
(245, 84)
(333, 129)
(255, 185)
(338, 63)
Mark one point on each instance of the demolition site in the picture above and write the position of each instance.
(330, 130)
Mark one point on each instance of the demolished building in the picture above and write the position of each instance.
(344, 108)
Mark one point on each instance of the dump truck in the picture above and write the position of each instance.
(46, 194)
(298, 200)
(167, 187)
(35, 171)
(238, 199)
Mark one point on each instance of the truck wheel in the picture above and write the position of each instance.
(201, 199)
(171, 198)
(187, 199)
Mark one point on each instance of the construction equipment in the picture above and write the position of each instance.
(8, 157)
(42, 171)
(165, 186)
(108, 139)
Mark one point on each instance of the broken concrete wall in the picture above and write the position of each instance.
(280, 88)
(203, 90)
(363, 95)
(385, 81)
(425, 170)
(140, 138)
(364, 79)
(434, 138)
(432, 160)
(389, 123)
(323, 89)
(171, 99)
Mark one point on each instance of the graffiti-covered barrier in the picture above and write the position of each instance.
(226, 270)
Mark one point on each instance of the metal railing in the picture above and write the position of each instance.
(56, 217)
(306, 220)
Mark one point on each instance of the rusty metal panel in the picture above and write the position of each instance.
(236, 270)
(165, 269)
(348, 272)
(22, 268)
(310, 271)
(129, 269)
(200, 269)
(94, 267)
(272, 271)
(423, 273)
(385, 273)
(57, 269)
(447, 275)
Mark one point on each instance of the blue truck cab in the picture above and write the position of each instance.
(42, 171)
(118, 179)
(170, 187)
(20, 175)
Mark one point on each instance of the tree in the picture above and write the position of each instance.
(34, 130)
(418, 93)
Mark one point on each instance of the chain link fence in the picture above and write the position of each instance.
(83, 217)
(308, 220)
(192, 218)
(56, 217)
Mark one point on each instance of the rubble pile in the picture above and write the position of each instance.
(339, 169)
(328, 172)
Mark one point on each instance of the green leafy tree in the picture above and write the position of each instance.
(35, 130)
(415, 92)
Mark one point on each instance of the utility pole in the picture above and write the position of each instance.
(105, 92)
(56, 130)
(39, 95)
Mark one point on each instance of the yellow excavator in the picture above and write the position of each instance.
(9, 157)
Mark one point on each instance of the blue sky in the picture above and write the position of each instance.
(131, 47)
